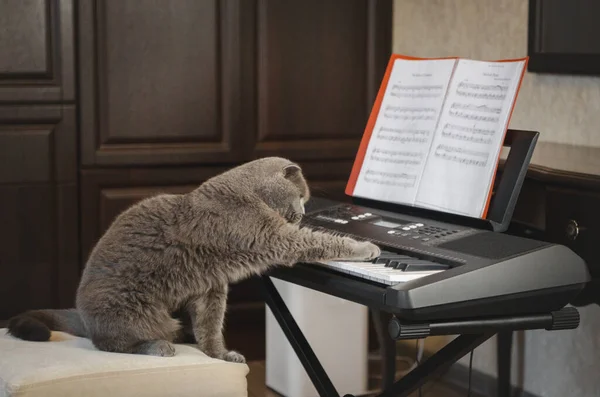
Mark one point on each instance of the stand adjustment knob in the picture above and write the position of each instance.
(573, 229)
(567, 318)
(397, 330)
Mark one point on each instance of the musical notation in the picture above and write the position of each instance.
(402, 139)
(390, 178)
(482, 91)
(472, 116)
(416, 91)
(467, 134)
(476, 108)
(405, 131)
(471, 130)
(410, 113)
(461, 155)
(474, 112)
(437, 133)
(400, 157)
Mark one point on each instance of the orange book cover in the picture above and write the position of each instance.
(435, 132)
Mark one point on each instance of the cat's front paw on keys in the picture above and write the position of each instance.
(234, 357)
(364, 251)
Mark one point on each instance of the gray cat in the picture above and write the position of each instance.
(178, 253)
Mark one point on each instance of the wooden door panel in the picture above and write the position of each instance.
(160, 82)
(38, 144)
(28, 265)
(320, 64)
(38, 217)
(36, 43)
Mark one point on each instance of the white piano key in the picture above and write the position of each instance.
(378, 272)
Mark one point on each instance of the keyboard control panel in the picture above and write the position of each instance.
(419, 230)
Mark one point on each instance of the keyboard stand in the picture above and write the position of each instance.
(472, 333)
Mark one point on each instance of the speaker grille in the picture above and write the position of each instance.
(492, 245)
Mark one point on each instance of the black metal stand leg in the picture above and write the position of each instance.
(387, 347)
(436, 364)
(504, 355)
(294, 335)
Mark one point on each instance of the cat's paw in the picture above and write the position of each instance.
(363, 251)
(234, 357)
(160, 348)
(294, 218)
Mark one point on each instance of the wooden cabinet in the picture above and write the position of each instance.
(226, 81)
(319, 65)
(160, 83)
(36, 51)
(39, 240)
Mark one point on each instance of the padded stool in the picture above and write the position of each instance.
(68, 366)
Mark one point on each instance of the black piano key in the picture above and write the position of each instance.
(381, 261)
(424, 267)
(391, 263)
(401, 265)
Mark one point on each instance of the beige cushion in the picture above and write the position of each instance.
(69, 366)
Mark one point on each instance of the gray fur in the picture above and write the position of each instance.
(178, 253)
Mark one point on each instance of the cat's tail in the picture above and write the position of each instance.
(36, 325)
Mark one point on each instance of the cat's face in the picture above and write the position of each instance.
(286, 192)
(278, 182)
(281, 185)
(298, 194)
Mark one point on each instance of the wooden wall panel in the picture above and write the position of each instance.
(39, 243)
(37, 51)
(160, 83)
(319, 66)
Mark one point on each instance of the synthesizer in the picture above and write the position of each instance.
(438, 269)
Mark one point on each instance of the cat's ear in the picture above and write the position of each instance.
(291, 170)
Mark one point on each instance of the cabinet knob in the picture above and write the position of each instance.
(573, 229)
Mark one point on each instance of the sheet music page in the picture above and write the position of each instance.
(404, 129)
(469, 137)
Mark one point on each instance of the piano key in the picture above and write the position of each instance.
(376, 272)
(419, 267)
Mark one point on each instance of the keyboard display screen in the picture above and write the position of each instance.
(383, 223)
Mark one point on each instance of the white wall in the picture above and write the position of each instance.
(563, 109)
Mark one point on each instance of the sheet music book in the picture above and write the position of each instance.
(435, 133)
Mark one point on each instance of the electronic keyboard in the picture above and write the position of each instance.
(433, 269)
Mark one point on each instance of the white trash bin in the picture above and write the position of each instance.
(337, 331)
